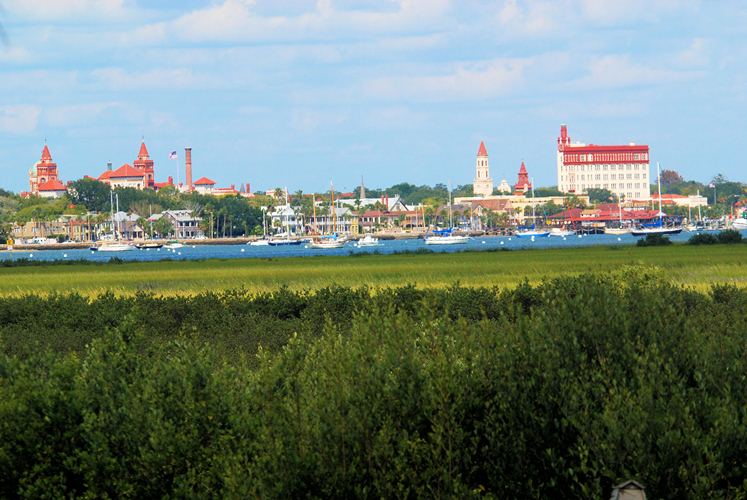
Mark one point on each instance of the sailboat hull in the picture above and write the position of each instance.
(656, 230)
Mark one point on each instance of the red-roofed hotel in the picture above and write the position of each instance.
(623, 169)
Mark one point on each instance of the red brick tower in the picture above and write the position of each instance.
(188, 166)
(145, 164)
(523, 184)
(43, 171)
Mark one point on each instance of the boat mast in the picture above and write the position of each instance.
(451, 220)
(332, 206)
(534, 216)
(658, 182)
(313, 211)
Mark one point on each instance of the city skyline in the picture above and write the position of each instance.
(296, 93)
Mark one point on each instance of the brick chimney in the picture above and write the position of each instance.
(188, 164)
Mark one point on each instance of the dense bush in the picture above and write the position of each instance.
(557, 390)
(729, 236)
(653, 240)
(702, 239)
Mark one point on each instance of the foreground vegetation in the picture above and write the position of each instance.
(698, 266)
(557, 390)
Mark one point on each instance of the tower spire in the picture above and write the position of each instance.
(483, 184)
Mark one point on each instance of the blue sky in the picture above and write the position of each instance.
(295, 93)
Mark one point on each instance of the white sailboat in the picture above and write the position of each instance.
(115, 245)
(446, 236)
(621, 229)
(660, 228)
(532, 232)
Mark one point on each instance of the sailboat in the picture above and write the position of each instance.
(621, 229)
(115, 245)
(276, 242)
(658, 227)
(333, 240)
(531, 231)
(446, 236)
(264, 241)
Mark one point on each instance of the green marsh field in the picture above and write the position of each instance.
(696, 266)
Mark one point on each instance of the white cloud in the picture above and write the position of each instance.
(49, 10)
(697, 54)
(618, 71)
(14, 54)
(20, 119)
(77, 114)
(238, 20)
(155, 79)
(608, 12)
(473, 81)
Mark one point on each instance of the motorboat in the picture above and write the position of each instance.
(739, 223)
(556, 231)
(368, 241)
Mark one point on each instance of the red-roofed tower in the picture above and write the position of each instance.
(43, 171)
(523, 184)
(483, 184)
(146, 165)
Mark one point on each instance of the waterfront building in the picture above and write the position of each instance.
(621, 169)
(342, 220)
(185, 223)
(44, 178)
(483, 184)
(523, 184)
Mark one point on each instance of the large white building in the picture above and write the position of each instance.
(623, 170)
(483, 184)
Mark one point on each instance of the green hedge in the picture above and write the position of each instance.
(556, 391)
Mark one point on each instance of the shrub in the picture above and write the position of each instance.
(702, 239)
(729, 236)
(654, 240)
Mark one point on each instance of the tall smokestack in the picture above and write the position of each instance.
(188, 164)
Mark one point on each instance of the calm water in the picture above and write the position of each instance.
(387, 247)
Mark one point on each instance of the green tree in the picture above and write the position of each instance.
(90, 193)
(600, 195)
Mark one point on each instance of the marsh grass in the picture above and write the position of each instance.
(695, 266)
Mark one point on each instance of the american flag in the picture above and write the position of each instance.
(172, 155)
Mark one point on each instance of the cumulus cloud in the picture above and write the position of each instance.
(239, 20)
(50, 10)
(471, 81)
(20, 119)
(617, 71)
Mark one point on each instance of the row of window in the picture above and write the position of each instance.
(617, 157)
(602, 177)
(613, 186)
(612, 167)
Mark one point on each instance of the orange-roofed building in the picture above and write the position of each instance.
(43, 171)
(52, 189)
(125, 176)
(203, 185)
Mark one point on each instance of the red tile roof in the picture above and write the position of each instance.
(46, 155)
(143, 151)
(204, 181)
(482, 151)
(126, 171)
(105, 175)
(52, 185)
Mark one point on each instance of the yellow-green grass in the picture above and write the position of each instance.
(697, 266)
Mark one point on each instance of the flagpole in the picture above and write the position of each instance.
(177, 171)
